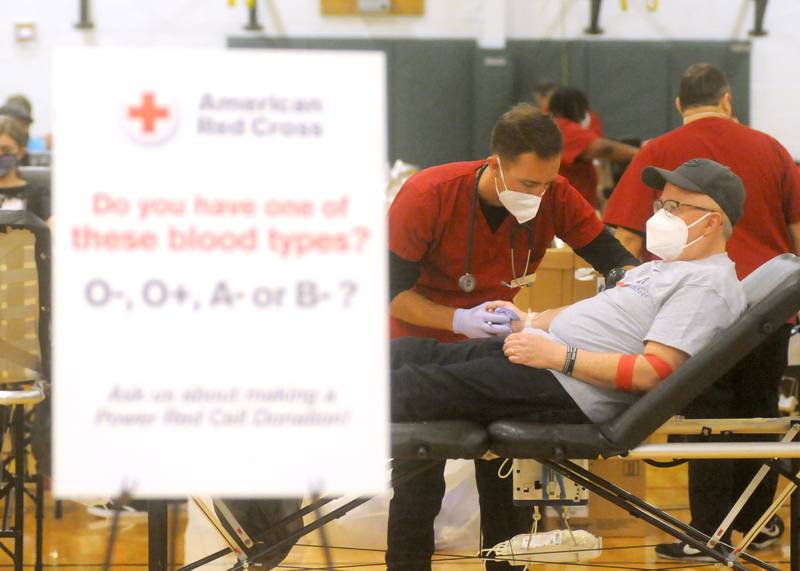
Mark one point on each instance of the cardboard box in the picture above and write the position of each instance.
(555, 284)
(606, 519)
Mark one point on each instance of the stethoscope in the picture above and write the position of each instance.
(467, 281)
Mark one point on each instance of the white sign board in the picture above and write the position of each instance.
(220, 290)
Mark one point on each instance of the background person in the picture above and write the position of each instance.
(582, 144)
(15, 191)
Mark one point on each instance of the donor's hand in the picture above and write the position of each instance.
(533, 350)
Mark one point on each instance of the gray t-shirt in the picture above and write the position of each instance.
(680, 304)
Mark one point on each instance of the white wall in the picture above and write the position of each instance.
(206, 23)
(673, 19)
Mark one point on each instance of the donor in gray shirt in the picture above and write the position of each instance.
(682, 305)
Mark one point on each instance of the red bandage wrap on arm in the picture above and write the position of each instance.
(662, 368)
(624, 380)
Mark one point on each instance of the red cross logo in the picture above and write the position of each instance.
(150, 119)
(148, 112)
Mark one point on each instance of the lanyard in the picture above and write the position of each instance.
(524, 279)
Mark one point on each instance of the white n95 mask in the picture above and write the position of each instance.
(667, 234)
(523, 206)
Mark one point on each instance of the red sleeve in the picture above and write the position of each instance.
(576, 221)
(576, 140)
(631, 203)
(412, 221)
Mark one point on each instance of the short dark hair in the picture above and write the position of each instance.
(523, 129)
(702, 84)
(569, 103)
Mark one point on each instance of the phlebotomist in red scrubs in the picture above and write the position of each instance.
(462, 235)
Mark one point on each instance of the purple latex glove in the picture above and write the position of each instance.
(479, 322)
(513, 316)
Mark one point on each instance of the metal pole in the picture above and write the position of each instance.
(157, 525)
(19, 485)
(85, 18)
(761, 10)
(39, 483)
(594, 22)
(252, 21)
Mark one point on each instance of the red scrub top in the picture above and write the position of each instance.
(579, 172)
(429, 223)
(769, 175)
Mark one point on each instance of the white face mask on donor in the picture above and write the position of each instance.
(667, 235)
(523, 206)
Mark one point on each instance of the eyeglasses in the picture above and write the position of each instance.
(672, 206)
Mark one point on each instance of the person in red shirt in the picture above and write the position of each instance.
(770, 226)
(544, 90)
(462, 235)
(582, 144)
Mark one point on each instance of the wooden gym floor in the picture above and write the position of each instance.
(78, 541)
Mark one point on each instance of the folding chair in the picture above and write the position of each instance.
(24, 364)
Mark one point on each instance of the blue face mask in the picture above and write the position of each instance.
(7, 164)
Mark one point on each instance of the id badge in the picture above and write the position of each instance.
(523, 281)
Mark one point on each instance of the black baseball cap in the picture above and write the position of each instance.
(703, 176)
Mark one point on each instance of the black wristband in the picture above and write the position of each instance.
(569, 362)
